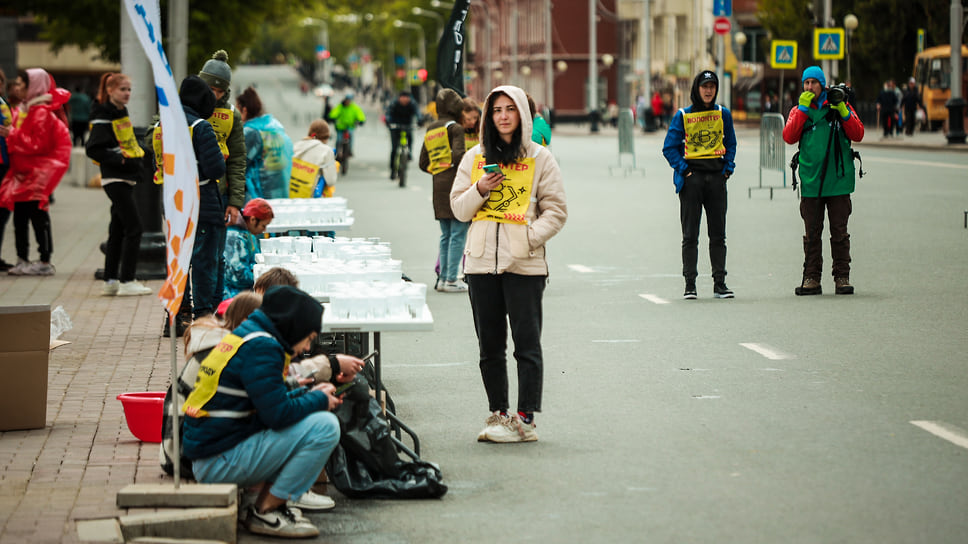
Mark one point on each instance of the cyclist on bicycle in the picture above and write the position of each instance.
(347, 114)
(400, 117)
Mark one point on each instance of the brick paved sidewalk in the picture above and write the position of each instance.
(73, 468)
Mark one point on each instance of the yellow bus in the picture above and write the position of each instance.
(932, 72)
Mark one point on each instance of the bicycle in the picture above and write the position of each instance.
(343, 151)
(401, 158)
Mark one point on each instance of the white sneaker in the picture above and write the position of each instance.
(20, 268)
(110, 288)
(454, 287)
(312, 502)
(132, 288)
(490, 424)
(38, 268)
(512, 429)
(281, 522)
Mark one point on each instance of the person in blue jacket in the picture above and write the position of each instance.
(243, 425)
(700, 147)
(201, 297)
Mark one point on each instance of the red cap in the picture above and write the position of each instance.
(258, 208)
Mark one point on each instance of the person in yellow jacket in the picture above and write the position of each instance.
(514, 210)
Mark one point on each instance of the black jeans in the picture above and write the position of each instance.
(496, 300)
(703, 190)
(124, 233)
(30, 212)
(838, 210)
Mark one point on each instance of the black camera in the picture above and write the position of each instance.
(839, 93)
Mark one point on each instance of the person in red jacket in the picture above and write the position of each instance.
(40, 151)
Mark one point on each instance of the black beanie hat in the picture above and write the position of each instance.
(197, 95)
(294, 313)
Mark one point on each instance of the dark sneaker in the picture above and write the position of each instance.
(809, 286)
(282, 522)
(690, 292)
(4, 265)
(721, 291)
(843, 286)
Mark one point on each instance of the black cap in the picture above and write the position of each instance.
(708, 76)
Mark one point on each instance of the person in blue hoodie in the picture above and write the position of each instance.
(700, 147)
(242, 245)
(244, 426)
(201, 296)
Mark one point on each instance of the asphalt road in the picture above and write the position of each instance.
(766, 418)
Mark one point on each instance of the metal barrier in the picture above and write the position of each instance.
(772, 149)
(626, 143)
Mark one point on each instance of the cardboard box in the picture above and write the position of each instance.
(24, 350)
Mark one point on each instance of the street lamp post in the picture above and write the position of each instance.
(850, 25)
(435, 16)
(321, 63)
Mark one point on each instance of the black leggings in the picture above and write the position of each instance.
(24, 212)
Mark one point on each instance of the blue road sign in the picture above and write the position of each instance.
(722, 8)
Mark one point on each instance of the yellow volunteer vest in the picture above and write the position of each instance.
(5, 113)
(222, 120)
(158, 147)
(209, 371)
(508, 203)
(437, 143)
(704, 134)
(470, 140)
(303, 179)
(124, 132)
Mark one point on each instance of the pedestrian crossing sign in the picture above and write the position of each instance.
(828, 43)
(783, 54)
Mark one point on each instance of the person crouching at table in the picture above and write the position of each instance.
(244, 426)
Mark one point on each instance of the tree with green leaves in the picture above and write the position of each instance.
(884, 44)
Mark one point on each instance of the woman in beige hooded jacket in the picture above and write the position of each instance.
(514, 212)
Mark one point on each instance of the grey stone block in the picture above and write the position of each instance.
(99, 530)
(187, 495)
(189, 523)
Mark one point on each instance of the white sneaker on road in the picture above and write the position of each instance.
(312, 502)
(132, 288)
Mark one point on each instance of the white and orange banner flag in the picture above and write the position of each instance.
(181, 174)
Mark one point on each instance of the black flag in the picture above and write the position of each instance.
(450, 50)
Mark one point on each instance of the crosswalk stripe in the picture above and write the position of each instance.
(946, 431)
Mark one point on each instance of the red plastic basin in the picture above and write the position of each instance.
(143, 412)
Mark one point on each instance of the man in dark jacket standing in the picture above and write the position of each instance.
(227, 123)
(700, 147)
(202, 297)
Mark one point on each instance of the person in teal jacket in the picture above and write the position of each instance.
(242, 245)
(244, 426)
(268, 161)
(347, 114)
(824, 129)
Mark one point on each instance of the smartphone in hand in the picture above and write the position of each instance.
(492, 168)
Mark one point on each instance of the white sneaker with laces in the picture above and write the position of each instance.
(110, 288)
(512, 429)
(39, 268)
(132, 288)
(312, 502)
(492, 422)
(281, 522)
(20, 268)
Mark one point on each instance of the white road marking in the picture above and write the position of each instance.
(918, 163)
(580, 268)
(947, 431)
(619, 341)
(766, 351)
(654, 299)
